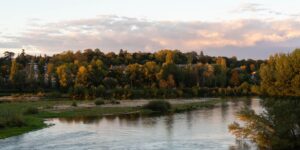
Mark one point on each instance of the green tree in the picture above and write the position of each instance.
(280, 75)
(96, 72)
(276, 128)
(109, 82)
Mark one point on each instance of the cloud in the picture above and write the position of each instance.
(242, 38)
(261, 9)
(251, 7)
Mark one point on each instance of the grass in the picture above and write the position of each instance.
(35, 119)
(32, 123)
(20, 117)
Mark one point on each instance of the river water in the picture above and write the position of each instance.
(199, 129)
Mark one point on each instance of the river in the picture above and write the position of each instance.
(199, 129)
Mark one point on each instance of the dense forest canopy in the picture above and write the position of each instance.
(166, 73)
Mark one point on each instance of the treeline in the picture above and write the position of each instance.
(163, 74)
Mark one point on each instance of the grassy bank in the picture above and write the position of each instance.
(31, 123)
(47, 109)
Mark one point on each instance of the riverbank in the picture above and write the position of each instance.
(65, 109)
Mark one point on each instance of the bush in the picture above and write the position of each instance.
(74, 104)
(31, 111)
(100, 91)
(99, 102)
(115, 102)
(54, 94)
(158, 106)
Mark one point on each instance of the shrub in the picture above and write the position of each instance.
(74, 104)
(54, 94)
(100, 91)
(31, 111)
(158, 106)
(99, 102)
(115, 102)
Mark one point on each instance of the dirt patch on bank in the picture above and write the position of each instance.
(126, 103)
(17, 98)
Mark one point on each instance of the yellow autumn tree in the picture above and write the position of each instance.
(82, 76)
(63, 75)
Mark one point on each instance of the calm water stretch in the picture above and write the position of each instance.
(200, 129)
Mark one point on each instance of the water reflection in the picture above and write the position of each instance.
(169, 121)
(200, 129)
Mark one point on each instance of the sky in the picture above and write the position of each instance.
(243, 28)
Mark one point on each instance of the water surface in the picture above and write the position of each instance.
(199, 129)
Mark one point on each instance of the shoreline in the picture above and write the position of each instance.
(86, 109)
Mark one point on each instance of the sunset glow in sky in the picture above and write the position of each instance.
(247, 29)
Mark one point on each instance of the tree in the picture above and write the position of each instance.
(220, 75)
(160, 56)
(280, 75)
(4, 71)
(151, 69)
(109, 82)
(64, 75)
(222, 62)
(169, 57)
(135, 72)
(168, 69)
(208, 75)
(235, 78)
(165, 69)
(49, 73)
(276, 128)
(23, 59)
(17, 77)
(82, 77)
(191, 57)
(171, 81)
(13, 70)
(96, 72)
(9, 55)
(257, 128)
(190, 76)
